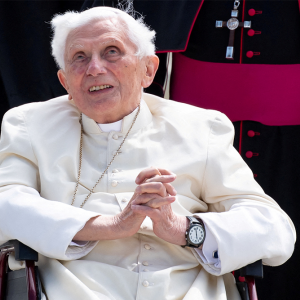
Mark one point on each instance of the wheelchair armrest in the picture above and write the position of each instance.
(255, 269)
(22, 252)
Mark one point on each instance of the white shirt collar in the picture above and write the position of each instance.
(116, 126)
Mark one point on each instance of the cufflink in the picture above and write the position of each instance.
(215, 254)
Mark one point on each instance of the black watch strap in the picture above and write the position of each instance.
(194, 220)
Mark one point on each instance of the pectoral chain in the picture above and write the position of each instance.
(103, 173)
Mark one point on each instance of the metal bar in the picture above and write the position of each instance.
(251, 287)
(3, 275)
(31, 281)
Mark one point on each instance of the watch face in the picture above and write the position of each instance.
(196, 235)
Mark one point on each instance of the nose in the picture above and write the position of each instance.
(96, 67)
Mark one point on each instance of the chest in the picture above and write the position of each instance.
(181, 152)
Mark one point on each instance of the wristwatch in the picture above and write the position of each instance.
(195, 234)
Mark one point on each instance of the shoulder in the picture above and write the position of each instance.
(43, 108)
(190, 115)
(39, 114)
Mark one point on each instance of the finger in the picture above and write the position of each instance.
(159, 202)
(165, 172)
(151, 172)
(153, 200)
(152, 188)
(162, 188)
(170, 189)
(161, 178)
(146, 173)
(144, 198)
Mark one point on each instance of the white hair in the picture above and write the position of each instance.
(136, 30)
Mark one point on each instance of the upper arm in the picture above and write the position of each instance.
(18, 164)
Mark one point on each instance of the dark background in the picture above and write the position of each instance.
(27, 69)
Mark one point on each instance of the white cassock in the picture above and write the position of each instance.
(38, 171)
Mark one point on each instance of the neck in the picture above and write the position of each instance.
(112, 118)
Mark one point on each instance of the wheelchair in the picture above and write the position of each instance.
(25, 284)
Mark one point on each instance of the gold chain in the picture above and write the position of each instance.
(80, 160)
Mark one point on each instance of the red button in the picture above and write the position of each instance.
(251, 32)
(251, 133)
(249, 154)
(251, 12)
(249, 54)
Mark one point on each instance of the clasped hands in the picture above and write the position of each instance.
(153, 197)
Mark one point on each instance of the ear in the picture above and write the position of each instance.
(63, 80)
(151, 63)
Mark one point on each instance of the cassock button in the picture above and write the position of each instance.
(146, 246)
(251, 133)
(115, 136)
(251, 12)
(124, 200)
(115, 171)
(145, 263)
(251, 32)
(114, 183)
(249, 154)
(249, 54)
(145, 283)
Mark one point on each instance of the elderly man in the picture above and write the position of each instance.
(78, 183)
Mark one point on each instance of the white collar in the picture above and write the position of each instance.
(116, 126)
(145, 117)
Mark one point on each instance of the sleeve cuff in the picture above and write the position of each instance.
(210, 245)
(78, 249)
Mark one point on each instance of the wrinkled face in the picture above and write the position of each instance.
(102, 74)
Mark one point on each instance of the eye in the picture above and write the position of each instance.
(112, 53)
(79, 57)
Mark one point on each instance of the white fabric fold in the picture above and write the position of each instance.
(209, 246)
(49, 226)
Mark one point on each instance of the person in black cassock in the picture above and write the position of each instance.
(249, 72)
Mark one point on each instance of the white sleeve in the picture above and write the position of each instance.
(46, 226)
(247, 224)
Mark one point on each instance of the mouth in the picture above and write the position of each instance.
(100, 87)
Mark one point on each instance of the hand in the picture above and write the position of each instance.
(152, 192)
(154, 187)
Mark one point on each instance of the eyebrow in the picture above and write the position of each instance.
(112, 40)
(75, 46)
